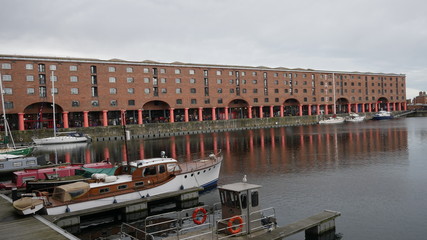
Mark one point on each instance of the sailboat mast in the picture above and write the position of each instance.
(333, 88)
(4, 112)
(53, 103)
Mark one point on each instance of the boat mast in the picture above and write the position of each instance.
(52, 78)
(333, 88)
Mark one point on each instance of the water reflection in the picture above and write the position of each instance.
(290, 149)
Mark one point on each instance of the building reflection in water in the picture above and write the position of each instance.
(277, 149)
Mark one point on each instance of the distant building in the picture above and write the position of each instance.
(420, 99)
(93, 92)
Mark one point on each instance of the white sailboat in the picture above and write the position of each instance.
(334, 119)
(63, 137)
(7, 151)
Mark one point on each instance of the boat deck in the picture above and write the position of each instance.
(14, 226)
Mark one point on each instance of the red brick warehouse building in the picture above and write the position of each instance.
(92, 92)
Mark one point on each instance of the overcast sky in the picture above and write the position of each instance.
(386, 36)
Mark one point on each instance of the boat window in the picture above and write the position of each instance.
(172, 167)
(139, 184)
(2, 165)
(162, 168)
(222, 196)
(26, 179)
(124, 186)
(254, 198)
(150, 171)
(17, 164)
(31, 162)
(244, 200)
(104, 190)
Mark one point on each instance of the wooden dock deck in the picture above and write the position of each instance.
(14, 226)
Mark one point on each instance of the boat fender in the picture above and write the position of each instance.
(231, 224)
(109, 179)
(196, 219)
(99, 176)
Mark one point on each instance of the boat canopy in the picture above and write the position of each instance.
(87, 172)
(68, 192)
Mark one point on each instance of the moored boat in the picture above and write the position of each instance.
(382, 115)
(332, 120)
(19, 163)
(147, 177)
(62, 138)
(354, 117)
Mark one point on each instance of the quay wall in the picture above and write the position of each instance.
(157, 130)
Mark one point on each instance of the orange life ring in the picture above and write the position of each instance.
(231, 224)
(196, 219)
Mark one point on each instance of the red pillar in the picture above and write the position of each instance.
(281, 111)
(200, 114)
(376, 107)
(404, 106)
(370, 107)
(356, 109)
(171, 115)
(326, 109)
(139, 116)
(271, 111)
(318, 109)
(85, 119)
(226, 113)
(65, 118)
(399, 106)
(123, 116)
(363, 107)
(250, 111)
(388, 106)
(348, 107)
(186, 114)
(104, 118)
(214, 113)
(309, 109)
(300, 110)
(260, 112)
(21, 125)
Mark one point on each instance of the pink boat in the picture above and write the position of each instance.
(20, 178)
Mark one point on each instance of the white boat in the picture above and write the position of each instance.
(141, 178)
(354, 117)
(332, 120)
(62, 137)
(382, 115)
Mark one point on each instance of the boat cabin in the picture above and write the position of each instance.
(241, 199)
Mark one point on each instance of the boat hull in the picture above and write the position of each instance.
(382, 117)
(59, 140)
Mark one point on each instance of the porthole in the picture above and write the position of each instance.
(185, 176)
(192, 174)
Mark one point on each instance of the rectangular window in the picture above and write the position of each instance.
(129, 70)
(146, 80)
(112, 79)
(94, 80)
(146, 90)
(54, 90)
(74, 79)
(42, 92)
(177, 71)
(179, 101)
(193, 101)
(75, 103)
(192, 80)
(74, 91)
(218, 73)
(255, 100)
(111, 69)
(93, 69)
(220, 100)
(113, 90)
(162, 80)
(192, 90)
(146, 70)
(178, 90)
(30, 91)
(164, 90)
(73, 68)
(41, 67)
(113, 103)
(129, 80)
(7, 91)
(219, 81)
(177, 80)
(162, 70)
(131, 102)
(29, 66)
(131, 90)
(94, 91)
(52, 67)
(95, 103)
(6, 66)
(30, 78)
(6, 78)
(191, 72)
